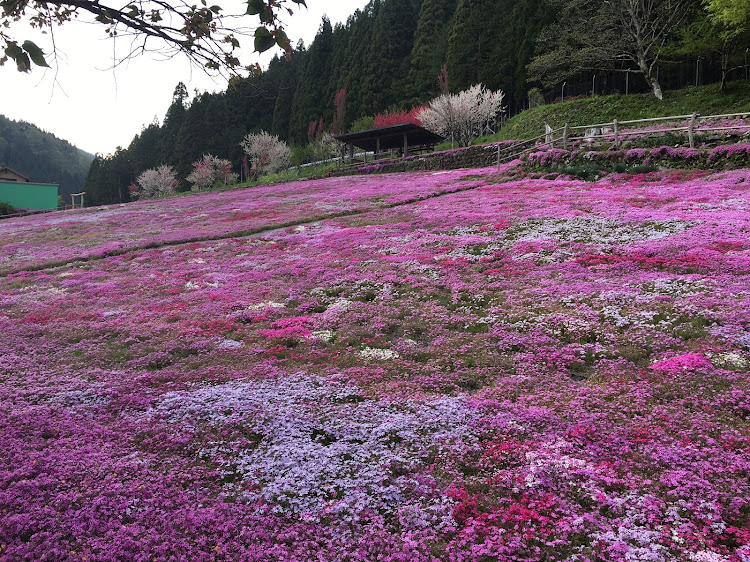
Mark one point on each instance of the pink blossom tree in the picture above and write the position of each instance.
(339, 112)
(398, 118)
(210, 171)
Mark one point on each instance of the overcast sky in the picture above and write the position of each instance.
(97, 108)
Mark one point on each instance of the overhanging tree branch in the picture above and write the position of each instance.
(200, 31)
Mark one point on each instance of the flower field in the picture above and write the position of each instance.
(101, 231)
(452, 366)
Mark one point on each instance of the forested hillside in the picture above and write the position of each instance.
(388, 57)
(42, 157)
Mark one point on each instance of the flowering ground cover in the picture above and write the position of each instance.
(100, 231)
(528, 370)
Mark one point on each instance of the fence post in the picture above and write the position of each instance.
(691, 130)
(498, 157)
(565, 137)
(617, 135)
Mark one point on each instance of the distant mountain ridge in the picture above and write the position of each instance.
(42, 157)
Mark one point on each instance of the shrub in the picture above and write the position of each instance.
(210, 171)
(363, 124)
(6, 209)
(536, 99)
(155, 182)
(267, 153)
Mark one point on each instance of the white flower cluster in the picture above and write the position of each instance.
(378, 354)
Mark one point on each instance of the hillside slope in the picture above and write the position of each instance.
(505, 369)
(705, 100)
(42, 157)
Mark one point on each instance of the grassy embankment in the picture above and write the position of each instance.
(705, 100)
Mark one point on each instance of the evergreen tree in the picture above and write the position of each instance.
(352, 72)
(430, 47)
(172, 123)
(388, 65)
(108, 179)
(312, 97)
(471, 41)
(282, 110)
(192, 138)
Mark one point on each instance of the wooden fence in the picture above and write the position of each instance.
(616, 132)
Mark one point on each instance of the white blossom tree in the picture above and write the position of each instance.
(267, 153)
(155, 182)
(325, 147)
(463, 116)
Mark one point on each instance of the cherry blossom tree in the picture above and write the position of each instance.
(209, 171)
(156, 182)
(267, 153)
(463, 116)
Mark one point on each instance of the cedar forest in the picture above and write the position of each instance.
(387, 58)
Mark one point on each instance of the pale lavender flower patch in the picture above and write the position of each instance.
(324, 450)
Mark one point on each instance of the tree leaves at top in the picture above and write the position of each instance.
(201, 32)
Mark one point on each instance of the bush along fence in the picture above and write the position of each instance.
(724, 156)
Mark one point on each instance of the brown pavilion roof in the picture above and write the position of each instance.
(387, 138)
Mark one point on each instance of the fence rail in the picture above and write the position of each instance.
(32, 212)
(616, 132)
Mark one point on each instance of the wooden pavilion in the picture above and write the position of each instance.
(406, 138)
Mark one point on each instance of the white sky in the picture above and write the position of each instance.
(97, 108)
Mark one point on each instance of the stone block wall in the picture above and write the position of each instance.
(480, 156)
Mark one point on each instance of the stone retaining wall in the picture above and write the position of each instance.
(480, 156)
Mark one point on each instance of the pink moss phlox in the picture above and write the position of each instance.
(680, 363)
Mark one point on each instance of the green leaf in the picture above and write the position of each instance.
(23, 63)
(13, 50)
(35, 53)
(263, 40)
(266, 16)
(281, 39)
(215, 9)
(254, 7)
